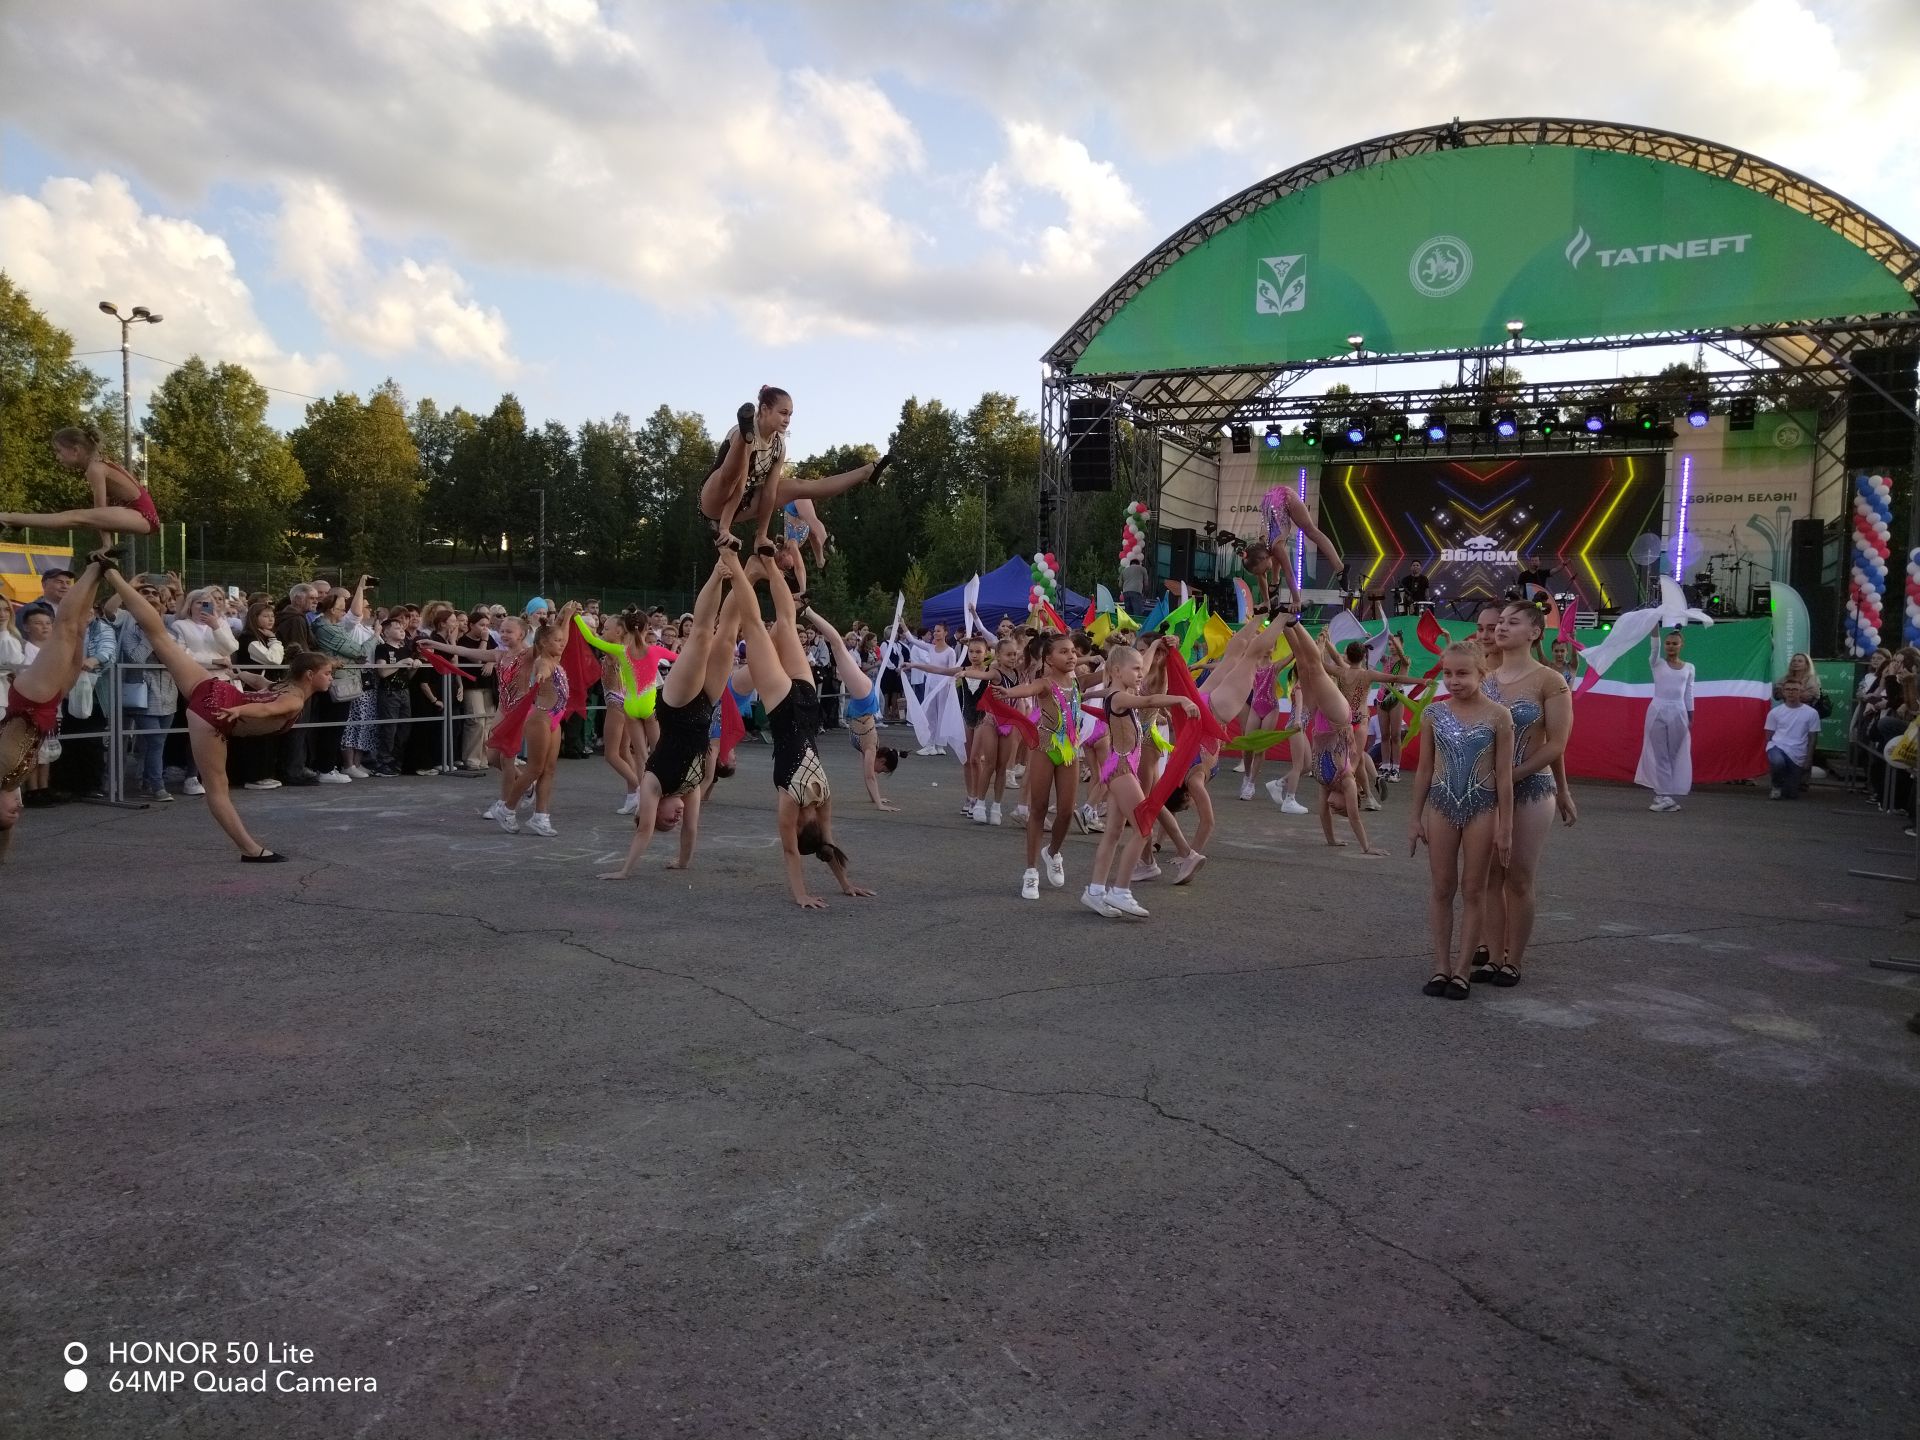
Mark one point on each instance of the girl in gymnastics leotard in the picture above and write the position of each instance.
(121, 503)
(1542, 709)
(1120, 772)
(749, 479)
(1053, 765)
(672, 784)
(218, 709)
(1328, 730)
(970, 681)
(1462, 809)
(33, 699)
(861, 711)
(784, 681)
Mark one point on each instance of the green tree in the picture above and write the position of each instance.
(42, 389)
(554, 471)
(213, 460)
(364, 479)
(1000, 460)
(489, 465)
(607, 499)
(673, 455)
(436, 434)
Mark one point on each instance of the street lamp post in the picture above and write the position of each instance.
(137, 316)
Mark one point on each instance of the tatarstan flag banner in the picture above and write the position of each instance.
(1731, 693)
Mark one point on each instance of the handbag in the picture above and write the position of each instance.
(345, 684)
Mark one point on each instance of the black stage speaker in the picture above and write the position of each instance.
(1090, 444)
(1180, 545)
(1806, 559)
(1879, 431)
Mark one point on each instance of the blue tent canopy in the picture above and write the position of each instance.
(1003, 592)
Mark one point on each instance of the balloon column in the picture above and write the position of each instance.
(1045, 571)
(1872, 511)
(1913, 598)
(1133, 534)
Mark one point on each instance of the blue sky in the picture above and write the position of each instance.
(610, 206)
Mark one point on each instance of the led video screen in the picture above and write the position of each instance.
(1473, 524)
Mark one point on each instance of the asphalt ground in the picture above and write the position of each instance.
(547, 1156)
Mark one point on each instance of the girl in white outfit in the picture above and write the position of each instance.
(1666, 754)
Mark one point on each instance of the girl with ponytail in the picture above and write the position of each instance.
(749, 479)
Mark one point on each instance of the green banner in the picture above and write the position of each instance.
(1440, 251)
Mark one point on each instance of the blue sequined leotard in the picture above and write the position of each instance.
(1462, 768)
(1527, 715)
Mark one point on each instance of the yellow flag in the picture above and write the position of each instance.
(1101, 628)
(1217, 633)
(1124, 620)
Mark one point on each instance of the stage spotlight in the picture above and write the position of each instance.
(1356, 431)
(1647, 417)
(1698, 412)
(1242, 438)
(1597, 417)
(1274, 436)
(1740, 413)
(1506, 424)
(1437, 428)
(1549, 421)
(1310, 432)
(1396, 429)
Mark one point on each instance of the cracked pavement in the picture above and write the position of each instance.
(551, 1156)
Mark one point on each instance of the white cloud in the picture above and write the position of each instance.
(407, 307)
(83, 241)
(1100, 206)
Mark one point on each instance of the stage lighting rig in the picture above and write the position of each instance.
(1646, 417)
(1274, 435)
(1241, 437)
(1549, 421)
(1396, 429)
(1356, 431)
(1698, 412)
(1436, 428)
(1597, 418)
(1310, 432)
(1506, 424)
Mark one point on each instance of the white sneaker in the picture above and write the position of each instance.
(928, 750)
(1096, 823)
(1096, 901)
(506, 820)
(1277, 791)
(495, 811)
(333, 777)
(1020, 813)
(1246, 788)
(1080, 819)
(977, 812)
(630, 804)
(1393, 774)
(192, 786)
(1056, 869)
(541, 825)
(1187, 866)
(1016, 776)
(1030, 884)
(263, 785)
(1369, 803)
(356, 772)
(993, 813)
(1774, 793)
(1122, 902)
(1147, 870)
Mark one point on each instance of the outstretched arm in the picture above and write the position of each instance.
(857, 683)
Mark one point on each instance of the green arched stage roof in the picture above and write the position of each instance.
(1432, 240)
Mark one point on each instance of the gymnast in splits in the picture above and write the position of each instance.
(671, 783)
(1328, 729)
(218, 709)
(784, 681)
(121, 504)
(749, 479)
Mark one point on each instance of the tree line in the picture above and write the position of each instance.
(375, 482)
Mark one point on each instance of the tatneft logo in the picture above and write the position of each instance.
(1279, 296)
(1481, 550)
(1440, 266)
(1702, 248)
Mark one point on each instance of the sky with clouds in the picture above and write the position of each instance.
(606, 206)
